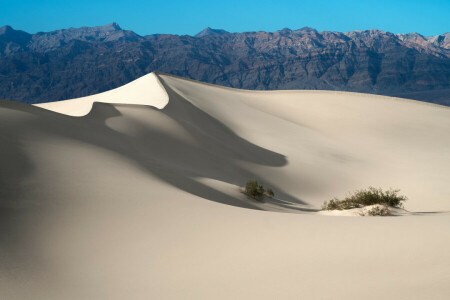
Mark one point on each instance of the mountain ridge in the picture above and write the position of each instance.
(210, 31)
(76, 62)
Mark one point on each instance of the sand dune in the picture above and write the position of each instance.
(121, 195)
(146, 90)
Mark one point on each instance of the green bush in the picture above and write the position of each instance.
(367, 197)
(256, 190)
(379, 211)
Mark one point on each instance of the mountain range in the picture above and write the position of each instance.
(75, 62)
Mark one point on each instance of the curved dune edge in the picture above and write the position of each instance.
(146, 90)
(306, 91)
(333, 124)
(355, 140)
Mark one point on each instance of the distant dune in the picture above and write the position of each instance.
(136, 193)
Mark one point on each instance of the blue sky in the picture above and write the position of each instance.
(428, 17)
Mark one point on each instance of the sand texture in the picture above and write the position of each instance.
(136, 193)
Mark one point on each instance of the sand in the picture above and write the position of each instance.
(146, 90)
(136, 193)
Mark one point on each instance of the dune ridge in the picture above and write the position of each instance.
(146, 90)
(122, 194)
(195, 112)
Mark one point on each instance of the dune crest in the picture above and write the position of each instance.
(309, 146)
(146, 90)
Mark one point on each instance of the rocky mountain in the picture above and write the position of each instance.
(210, 31)
(75, 62)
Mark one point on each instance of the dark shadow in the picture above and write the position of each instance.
(290, 205)
(424, 213)
(216, 157)
(216, 154)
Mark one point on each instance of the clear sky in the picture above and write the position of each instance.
(427, 17)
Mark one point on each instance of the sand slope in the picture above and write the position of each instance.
(146, 90)
(114, 201)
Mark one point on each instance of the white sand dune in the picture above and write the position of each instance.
(121, 195)
(146, 90)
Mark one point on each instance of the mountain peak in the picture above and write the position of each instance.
(112, 26)
(105, 28)
(8, 34)
(210, 31)
(6, 29)
(106, 33)
(306, 28)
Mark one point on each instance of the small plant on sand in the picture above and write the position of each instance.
(369, 196)
(379, 211)
(256, 190)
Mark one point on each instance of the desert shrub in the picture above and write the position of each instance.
(256, 190)
(379, 211)
(369, 196)
(336, 204)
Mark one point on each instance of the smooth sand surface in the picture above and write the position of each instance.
(136, 193)
(146, 90)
